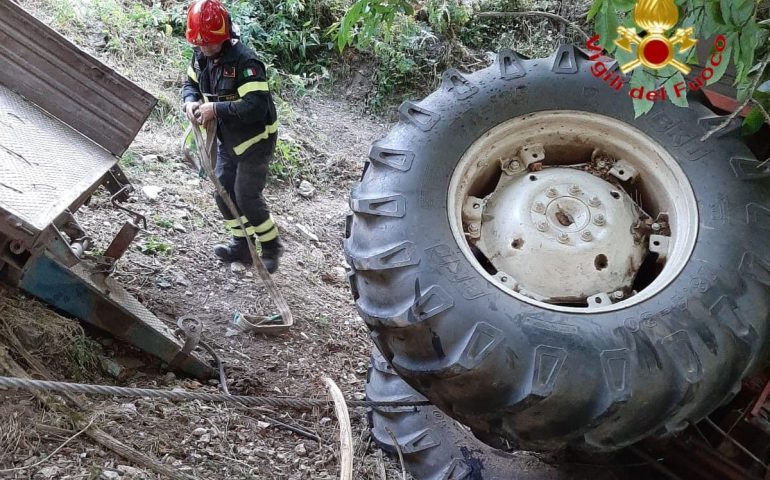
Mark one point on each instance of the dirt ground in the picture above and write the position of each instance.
(206, 440)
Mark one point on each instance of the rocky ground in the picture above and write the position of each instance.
(172, 270)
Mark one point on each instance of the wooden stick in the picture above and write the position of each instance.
(96, 434)
(380, 465)
(398, 450)
(346, 432)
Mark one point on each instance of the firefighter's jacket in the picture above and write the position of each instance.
(236, 80)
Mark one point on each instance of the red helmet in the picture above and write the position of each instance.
(207, 23)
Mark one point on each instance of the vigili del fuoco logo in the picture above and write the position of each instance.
(655, 49)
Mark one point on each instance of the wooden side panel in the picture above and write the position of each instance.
(49, 71)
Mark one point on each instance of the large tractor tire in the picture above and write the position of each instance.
(549, 270)
(435, 447)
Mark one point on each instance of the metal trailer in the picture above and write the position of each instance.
(65, 118)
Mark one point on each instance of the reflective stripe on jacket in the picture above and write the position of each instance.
(237, 82)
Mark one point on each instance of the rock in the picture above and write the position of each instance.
(325, 421)
(237, 267)
(130, 362)
(181, 279)
(130, 472)
(151, 191)
(340, 274)
(307, 232)
(109, 475)
(306, 189)
(111, 367)
(179, 228)
(49, 472)
(169, 377)
(127, 408)
(151, 158)
(163, 284)
(300, 450)
(188, 293)
(205, 438)
(262, 425)
(181, 214)
(200, 431)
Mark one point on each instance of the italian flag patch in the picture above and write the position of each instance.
(249, 72)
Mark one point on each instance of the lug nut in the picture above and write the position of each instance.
(538, 207)
(542, 226)
(618, 295)
(574, 190)
(563, 238)
(552, 192)
(515, 165)
(473, 227)
(587, 236)
(600, 220)
(655, 227)
(594, 201)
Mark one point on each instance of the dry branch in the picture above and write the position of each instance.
(731, 117)
(346, 432)
(533, 13)
(96, 434)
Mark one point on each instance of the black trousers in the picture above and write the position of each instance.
(244, 178)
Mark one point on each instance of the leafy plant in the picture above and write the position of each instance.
(153, 245)
(366, 20)
(448, 17)
(289, 162)
(163, 222)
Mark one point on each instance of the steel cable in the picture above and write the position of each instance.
(186, 395)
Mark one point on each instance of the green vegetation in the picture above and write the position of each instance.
(129, 159)
(82, 356)
(744, 25)
(405, 45)
(163, 222)
(289, 162)
(153, 245)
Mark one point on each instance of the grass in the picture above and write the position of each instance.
(163, 222)
(154, 245)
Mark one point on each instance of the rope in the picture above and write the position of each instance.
(184, 395)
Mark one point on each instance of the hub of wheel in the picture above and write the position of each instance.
(563, 210)
(561, 223)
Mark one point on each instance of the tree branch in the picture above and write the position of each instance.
(761, 110)
(533, 13)
(738, 110)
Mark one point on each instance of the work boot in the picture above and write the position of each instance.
(235, 251)
(271, 253)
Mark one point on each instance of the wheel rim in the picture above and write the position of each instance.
(573, 211)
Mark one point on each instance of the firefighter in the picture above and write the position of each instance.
(227, 83)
